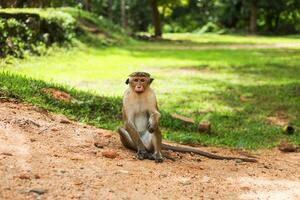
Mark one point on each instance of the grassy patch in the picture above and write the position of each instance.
(88, 108)
(231, 39)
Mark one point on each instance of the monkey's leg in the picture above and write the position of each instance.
(147, 140)
(138, 143)
(126, 139)
(157, 141)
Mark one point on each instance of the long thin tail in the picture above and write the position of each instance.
(203, 153)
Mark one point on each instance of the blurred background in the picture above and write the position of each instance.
(199, 16)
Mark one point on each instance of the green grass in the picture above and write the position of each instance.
(231, 39)
(86, 107)
(195, 82)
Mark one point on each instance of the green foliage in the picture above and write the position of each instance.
(192, 16)
(59, 26)
(30, 31)
(210, 27)
(140, 15)
(273, 17)
(278, 17)
(12, 34)
(34, 30)
(87, 20)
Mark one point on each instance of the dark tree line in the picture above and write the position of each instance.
(252, 16)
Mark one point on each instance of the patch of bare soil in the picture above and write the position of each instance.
(46, 156)
(58, 95)
(91, 27)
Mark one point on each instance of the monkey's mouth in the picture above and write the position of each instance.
(139, 90)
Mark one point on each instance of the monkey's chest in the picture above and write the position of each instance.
(141, 121)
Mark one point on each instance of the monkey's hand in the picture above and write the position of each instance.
(153, 122)
(152, 127)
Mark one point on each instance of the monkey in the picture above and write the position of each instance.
(141, 118)
(140, 130)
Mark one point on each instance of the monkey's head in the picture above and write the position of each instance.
(139, 81)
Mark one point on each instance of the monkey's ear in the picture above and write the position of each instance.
(127, 81)
(151, 79)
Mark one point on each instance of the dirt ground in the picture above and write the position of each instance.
(46, 156)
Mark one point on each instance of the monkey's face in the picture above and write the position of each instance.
(139, 84)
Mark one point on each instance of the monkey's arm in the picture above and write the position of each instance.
(154, 115)
(154, 121)
(203, 153)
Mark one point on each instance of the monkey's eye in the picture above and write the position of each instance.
(135, 80)
(142, 80)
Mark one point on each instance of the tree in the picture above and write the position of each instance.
(110, 10)
(183, 16)
(88, 5)
(139, 15)
(36, 3)
(155, 18)
(8, 3)
(21, 3)
(253, 16)
(123, 14)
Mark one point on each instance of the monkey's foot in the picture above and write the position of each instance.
(142, 154)
(157, 157)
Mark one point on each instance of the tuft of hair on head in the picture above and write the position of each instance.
(141, 74)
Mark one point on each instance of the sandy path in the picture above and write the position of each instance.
(42, 156)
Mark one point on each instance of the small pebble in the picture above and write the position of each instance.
(24, 177)
(185, 181)
(110, 154)
(65, 121)
(6, 154)
(39, 191)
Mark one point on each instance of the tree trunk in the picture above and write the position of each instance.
(269, 20)
(123, 14)
(276, 22)
(46, 4)
(156, 19)
(21, 3)
(253, 16)
(110, 10)
(8, 3)
(36, 3)
(88, 5)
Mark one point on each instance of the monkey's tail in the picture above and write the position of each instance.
(203, 153)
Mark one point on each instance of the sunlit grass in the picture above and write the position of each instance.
(232, 39)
